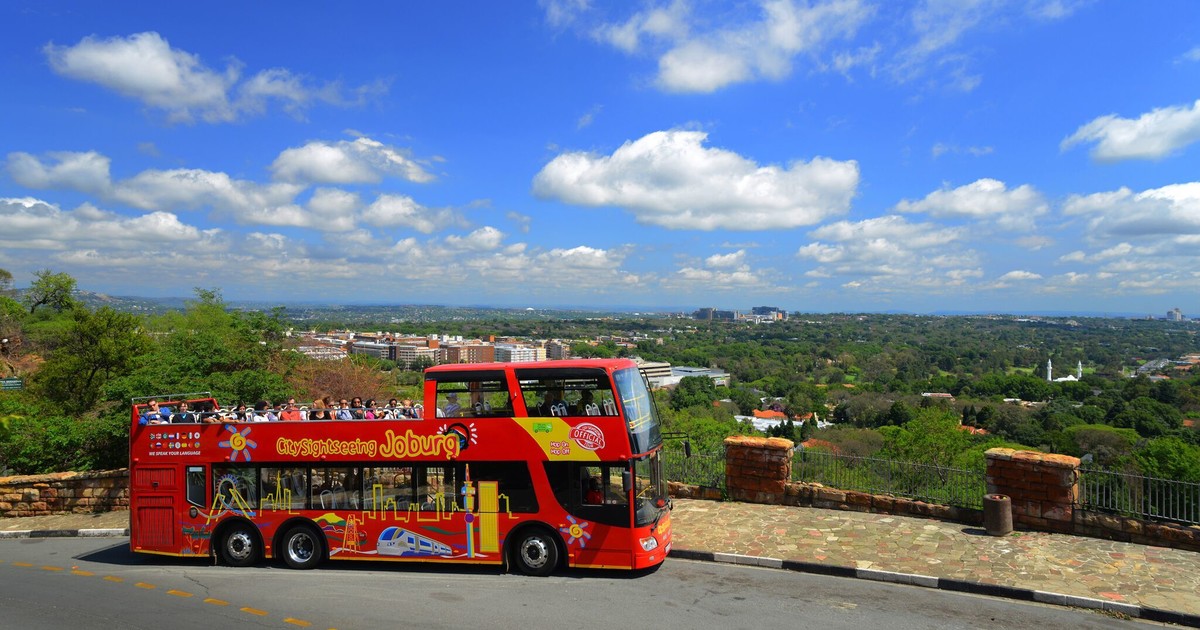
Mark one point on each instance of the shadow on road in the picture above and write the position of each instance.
(120, 555)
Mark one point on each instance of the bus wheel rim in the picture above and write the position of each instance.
(240, 545)
(301, 547)
(534, 552)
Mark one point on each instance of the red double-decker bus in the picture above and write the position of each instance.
(529, 465)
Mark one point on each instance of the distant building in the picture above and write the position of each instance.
(712, 315)
(374, 349)
(556, 349)
(467, 353)
(1175, 315)
(512, 353)
(719, 377)
(656, 371)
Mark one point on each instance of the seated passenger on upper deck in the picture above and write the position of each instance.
(154, 415)
(184, 415)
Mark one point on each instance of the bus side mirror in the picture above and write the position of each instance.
(626, 481)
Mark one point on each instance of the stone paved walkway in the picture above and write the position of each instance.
(1153, 577)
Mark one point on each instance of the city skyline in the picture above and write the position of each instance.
(837, 156)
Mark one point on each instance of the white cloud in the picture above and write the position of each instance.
(1163, 212)
(85, 172)
(486, 238)
(145, 67)
(1190, 56)
(984, 199)
(28, 223)
(668, 178)
(1020, 276)
(941, 148)
(889, 254)
(1154, 135)
(362, 160)
(725, 261)
(757, 50)
(189, 189)
(404, 211)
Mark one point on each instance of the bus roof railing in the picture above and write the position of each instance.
(188, 396)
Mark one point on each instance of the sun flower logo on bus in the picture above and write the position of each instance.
(577, 531)
(238, 442)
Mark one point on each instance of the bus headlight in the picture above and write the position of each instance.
(649, 543)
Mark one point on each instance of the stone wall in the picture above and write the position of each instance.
(1043, 489)
(58, 493)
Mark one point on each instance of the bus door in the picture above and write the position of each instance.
(155, 489)
(596, 497)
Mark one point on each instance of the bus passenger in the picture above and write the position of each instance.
(369, 411)
(356, 408)
(594, 495)
(343, 412)
(452, 408)
(154, 415)
(290, 413)
(184, 415)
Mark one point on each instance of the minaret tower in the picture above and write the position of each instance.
(1079, 371)
(1049, 371)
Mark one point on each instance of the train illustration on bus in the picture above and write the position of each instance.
(397, 541)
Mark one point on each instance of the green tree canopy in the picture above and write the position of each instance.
(50, 289)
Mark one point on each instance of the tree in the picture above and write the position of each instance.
(98, 345)
(50, 289)
(692, 391)
(747, 402)
(6, 283)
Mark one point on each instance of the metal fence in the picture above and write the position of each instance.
(1138, 496)
(924, 482)
(701, 469)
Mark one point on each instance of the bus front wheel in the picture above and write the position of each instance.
(302, 548)
(239, 545)
(535, 553)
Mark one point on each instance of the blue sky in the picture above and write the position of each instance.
(845, 155)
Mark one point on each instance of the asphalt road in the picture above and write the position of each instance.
(97, 584)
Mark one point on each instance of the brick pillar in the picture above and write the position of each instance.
(757, 469)
(1044, 487)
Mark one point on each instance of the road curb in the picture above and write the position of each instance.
(945, 584)
(64, 533)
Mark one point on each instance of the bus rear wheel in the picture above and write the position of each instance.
(535, 553)
(239, 545)
(302, 548)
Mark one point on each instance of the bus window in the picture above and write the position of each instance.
(473, 394)
(566, 392)
(284, 488)
(387, 488)
(513, 485)
(334, 488)
(196, 486)
(437, 488)
(236, 487)
(572, 481)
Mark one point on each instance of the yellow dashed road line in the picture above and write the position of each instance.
(145, 585)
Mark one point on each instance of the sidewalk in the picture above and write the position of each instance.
(1153, 583)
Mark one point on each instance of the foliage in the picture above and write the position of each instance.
(50, 289)
(339, 379)
(41, 441)
(1169, 458)
(931, 437)
(95, 347)
(694, 391)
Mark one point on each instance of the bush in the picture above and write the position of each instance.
(45, 442)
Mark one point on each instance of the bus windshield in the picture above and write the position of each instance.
(645, 431)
